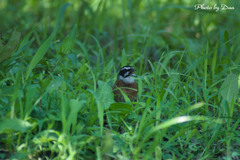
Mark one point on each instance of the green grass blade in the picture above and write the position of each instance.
(206, 69)
(26, 38)
(172, 122)
(40, 53)
(60, 15)
(46, 44)
(14, 124)
(64, 107)
(214, 62)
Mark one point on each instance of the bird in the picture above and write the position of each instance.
(125, 83)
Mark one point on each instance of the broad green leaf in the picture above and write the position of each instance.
(103, 98)
(104, 94)
(54, 85)
(14, 124)
(69, 41)
(229, 88)
(9, 48)
(75, 107)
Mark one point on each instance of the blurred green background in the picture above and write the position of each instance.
(124, 23)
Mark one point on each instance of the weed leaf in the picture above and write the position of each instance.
(69, 41)
(229, 88)
(75, 107)
(104, 94)
(103, 98)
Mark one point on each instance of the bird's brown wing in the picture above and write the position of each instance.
(130, 89)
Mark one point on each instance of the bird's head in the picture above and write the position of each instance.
(126, 74)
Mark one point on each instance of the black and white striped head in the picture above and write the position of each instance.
(126, 73)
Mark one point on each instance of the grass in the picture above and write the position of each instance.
(59, 61)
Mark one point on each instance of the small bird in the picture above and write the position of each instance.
(126, 84)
